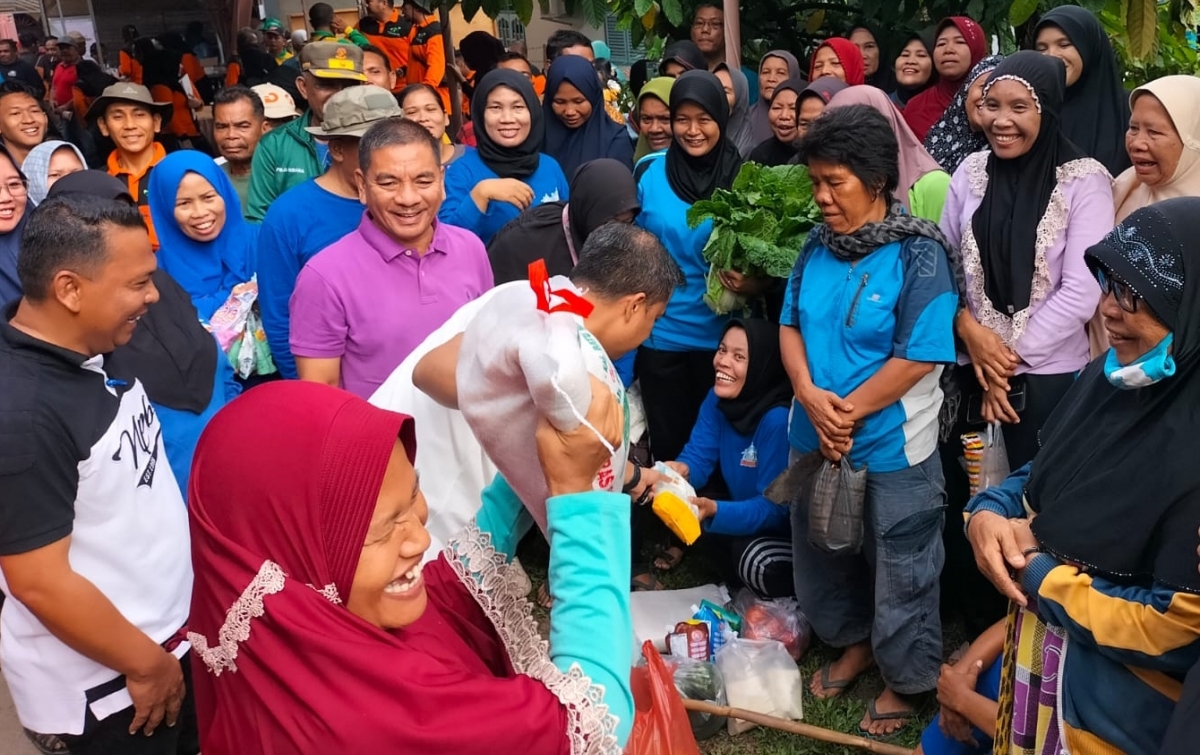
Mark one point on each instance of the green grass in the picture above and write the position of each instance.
(842, 713)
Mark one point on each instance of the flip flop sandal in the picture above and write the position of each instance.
(840, 685)
(875, 716)
(47, 744)
(544, 599)
(672, 560)
(647, 582)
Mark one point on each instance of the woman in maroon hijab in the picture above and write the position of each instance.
(316, 629)
(960, 44)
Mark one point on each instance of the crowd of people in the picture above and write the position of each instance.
(213, 530)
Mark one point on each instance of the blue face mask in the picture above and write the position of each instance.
(1148, 369)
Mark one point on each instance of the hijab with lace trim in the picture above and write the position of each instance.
(283, 488)
(1180, 97)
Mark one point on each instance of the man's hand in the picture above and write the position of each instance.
(570, 460)
(679, 467)
(996, 407)
(993, 539)
(337, 26)
(157, 694)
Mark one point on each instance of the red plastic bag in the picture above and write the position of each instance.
(660, 724)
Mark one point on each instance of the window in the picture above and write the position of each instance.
(509, 28)
(621, 43)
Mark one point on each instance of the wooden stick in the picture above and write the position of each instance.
(795, 727)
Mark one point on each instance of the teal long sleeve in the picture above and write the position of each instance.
(504, 517)
(590, 623)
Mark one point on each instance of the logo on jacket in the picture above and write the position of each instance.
(143, 436)
(750, 457)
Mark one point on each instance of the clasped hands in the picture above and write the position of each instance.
(994, 364)
(834, 419)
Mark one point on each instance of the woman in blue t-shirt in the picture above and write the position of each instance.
(506, 173)
(742, 432)
(867, 325)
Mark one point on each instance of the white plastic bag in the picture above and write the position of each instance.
(760, 677)
(519, 361)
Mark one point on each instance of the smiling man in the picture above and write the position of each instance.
(362, 304)
(23, 122)
(128, 114)
(239, 121)
(94, 545)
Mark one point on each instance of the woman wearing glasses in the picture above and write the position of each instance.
(1094, 542)
(1023, 213)
(14, 199)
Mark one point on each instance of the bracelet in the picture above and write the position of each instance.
(634, 481)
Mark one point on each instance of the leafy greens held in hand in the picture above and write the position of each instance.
(758, 227)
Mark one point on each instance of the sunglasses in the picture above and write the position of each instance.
(1126, 297)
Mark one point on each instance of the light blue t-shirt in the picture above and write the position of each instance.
(899, 301)
(548, 184)
(688, 324)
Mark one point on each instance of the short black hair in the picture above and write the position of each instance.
(27, 39)
(509, 55)
(387, 62)
(66, 232)
(395, 132)
(622, 259)
(860, 138)
(230, 95)
(12, 42)
(320, 15)
(707, 4)
(13, 86)
(412, 89)
(561, 40)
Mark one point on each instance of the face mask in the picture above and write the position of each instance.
(1153, 366)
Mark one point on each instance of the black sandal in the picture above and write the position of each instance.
(668, 557)
(47, 744)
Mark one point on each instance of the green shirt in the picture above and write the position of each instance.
(928, 194)
(241, 184)
(286, 157)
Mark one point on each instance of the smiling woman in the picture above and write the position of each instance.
(206, 248)
(13, 201)
(577, 129)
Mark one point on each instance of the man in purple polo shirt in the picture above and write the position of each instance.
(363, 303)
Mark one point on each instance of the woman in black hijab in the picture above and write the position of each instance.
(680, 57)
(602, 191)
(506, 173)
(1096, 109)
(783, 115)
(877, 64)
(1100, 529)
(913, 68)
(184, 371)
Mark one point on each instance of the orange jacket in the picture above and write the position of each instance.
(182, 124)
(191, 66)
(539, 85)
(139, 185)
(392, 37)
(233, 73)
(129, 68)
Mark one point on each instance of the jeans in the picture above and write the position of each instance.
(888, 593)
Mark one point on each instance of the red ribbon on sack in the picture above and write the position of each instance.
(568, 301)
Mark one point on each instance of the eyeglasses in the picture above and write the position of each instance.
(15, 188)
(714, 25)
(1126, 297)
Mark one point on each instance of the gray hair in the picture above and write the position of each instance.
(622, 259)
(394, 132)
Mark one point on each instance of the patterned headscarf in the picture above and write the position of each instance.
(951, 139)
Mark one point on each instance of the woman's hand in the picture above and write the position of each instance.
(954, 685)
(679, 468)
(996, 407)
(570, 460)
(508, 190)
(707, 506)
(993, 361)
(746, 285)
(994, 541)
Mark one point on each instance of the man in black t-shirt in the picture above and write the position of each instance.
(16, 69)
(94, 547)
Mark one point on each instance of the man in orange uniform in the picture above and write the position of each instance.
(391, 32)
(427, 50)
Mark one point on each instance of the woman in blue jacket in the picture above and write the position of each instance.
(506, 173)
(742, 431)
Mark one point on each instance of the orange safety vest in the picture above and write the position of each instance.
(393, 38)
(139, 185)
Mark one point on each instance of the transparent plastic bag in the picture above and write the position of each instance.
(835, 507)
(761, 677)
(985, 458)
(780, 620)
(700, 680)
(672, 504)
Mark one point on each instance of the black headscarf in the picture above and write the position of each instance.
(170, 352)
(1019, 190)
(599, 136)
(508, 162)
(685, 53)
(903, 94)
(695, 178)
(885, 76)
(1096, 109)
(1116, 484)
(766, 385)
(600, 191)
(771, 151)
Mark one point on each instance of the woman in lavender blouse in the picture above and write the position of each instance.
(1022, 213)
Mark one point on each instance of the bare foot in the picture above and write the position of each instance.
(833, 679)
(887, 714)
